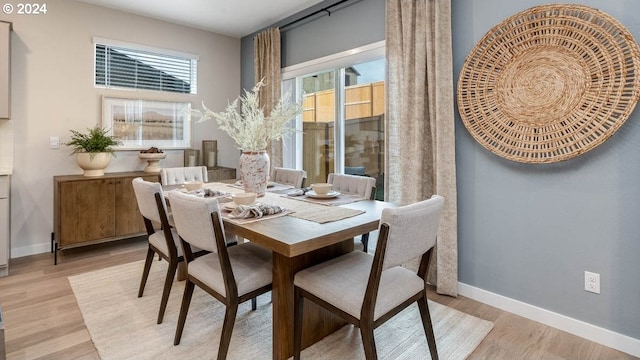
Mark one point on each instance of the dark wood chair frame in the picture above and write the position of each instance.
(172, 258)
(366, 322)
(364, 238)
(231, 301)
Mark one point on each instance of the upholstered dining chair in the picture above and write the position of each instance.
(368, 290)
(232, 275)
(162, 241)
(363, 186)
(178, 175)
(285, 176)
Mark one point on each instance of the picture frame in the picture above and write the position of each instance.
(140, 124)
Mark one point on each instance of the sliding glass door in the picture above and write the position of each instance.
(318, 125)
(341, 129)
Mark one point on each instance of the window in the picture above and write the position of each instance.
(120, 65)
(342, 124)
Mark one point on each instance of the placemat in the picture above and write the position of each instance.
(341, 199)
(307, 210)
(310, 211)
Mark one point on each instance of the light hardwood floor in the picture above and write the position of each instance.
(42, 319)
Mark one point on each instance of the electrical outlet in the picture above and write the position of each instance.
(592, 282)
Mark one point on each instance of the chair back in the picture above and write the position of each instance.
(353, 184)
(412, 230)
(192, 219)
(178, 175)
(291, 177)
(146, 197)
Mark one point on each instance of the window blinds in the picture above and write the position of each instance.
(129, 67)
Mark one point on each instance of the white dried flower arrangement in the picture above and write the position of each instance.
(247, 124)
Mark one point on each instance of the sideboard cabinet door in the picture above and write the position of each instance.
(87, 211)
(128, 218)
(93, 210)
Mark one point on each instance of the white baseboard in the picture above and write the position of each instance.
(580, 328)
(20, 251)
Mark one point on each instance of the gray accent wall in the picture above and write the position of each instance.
(526, 232)
(350, 25)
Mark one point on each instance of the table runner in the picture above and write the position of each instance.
(312, 211)
(273, 188)
(341, 199)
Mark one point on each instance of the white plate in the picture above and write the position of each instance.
(329, 195)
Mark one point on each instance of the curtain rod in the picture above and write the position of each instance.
(326, 9)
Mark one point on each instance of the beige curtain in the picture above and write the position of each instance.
(420, 150)
(266, 64)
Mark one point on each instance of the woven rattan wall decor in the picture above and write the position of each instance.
(549, 83)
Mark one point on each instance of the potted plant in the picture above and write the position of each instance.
(246, 123)
(93, 150)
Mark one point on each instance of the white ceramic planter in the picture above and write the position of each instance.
(93, 164)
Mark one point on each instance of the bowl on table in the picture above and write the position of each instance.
(246, 198)
(321, 188)
(193, 185)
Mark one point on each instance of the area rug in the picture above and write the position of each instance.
(123, 326)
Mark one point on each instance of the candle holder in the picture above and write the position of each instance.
(191, 157)
(210, 153)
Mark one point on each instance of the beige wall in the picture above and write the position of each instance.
(53, 91)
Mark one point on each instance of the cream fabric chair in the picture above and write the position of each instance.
(163, 241)
(178, 175)
(368, 290)
(230, 274)
(363, 186)
(291, 177)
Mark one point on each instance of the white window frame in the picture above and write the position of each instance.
(148, 49)
(339, 60)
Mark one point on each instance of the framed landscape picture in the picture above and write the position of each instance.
(141, 124)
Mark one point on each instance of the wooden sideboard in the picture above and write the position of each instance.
(91, 210)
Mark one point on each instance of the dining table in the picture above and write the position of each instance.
(308, 231)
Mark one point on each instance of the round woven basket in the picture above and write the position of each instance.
(549, 83)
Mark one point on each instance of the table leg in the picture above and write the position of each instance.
(318, 322)
(182, 271)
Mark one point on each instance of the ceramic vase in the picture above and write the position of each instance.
(93, 164)
(254, 171)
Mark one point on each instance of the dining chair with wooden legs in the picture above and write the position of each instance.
(162, 241)
(232, 275)
(285, 176)
(368, 290)
(178, 175)
(363, 186)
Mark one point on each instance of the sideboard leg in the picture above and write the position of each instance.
(54, 249)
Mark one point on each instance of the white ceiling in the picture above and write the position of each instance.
(235, 18)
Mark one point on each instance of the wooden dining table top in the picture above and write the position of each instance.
(292, 236)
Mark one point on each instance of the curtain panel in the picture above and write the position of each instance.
(420, 137)
(266, 63)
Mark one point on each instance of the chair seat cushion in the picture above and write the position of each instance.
(343, 281)
(251, 266)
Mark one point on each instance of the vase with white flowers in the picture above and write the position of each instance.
(246, 123)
